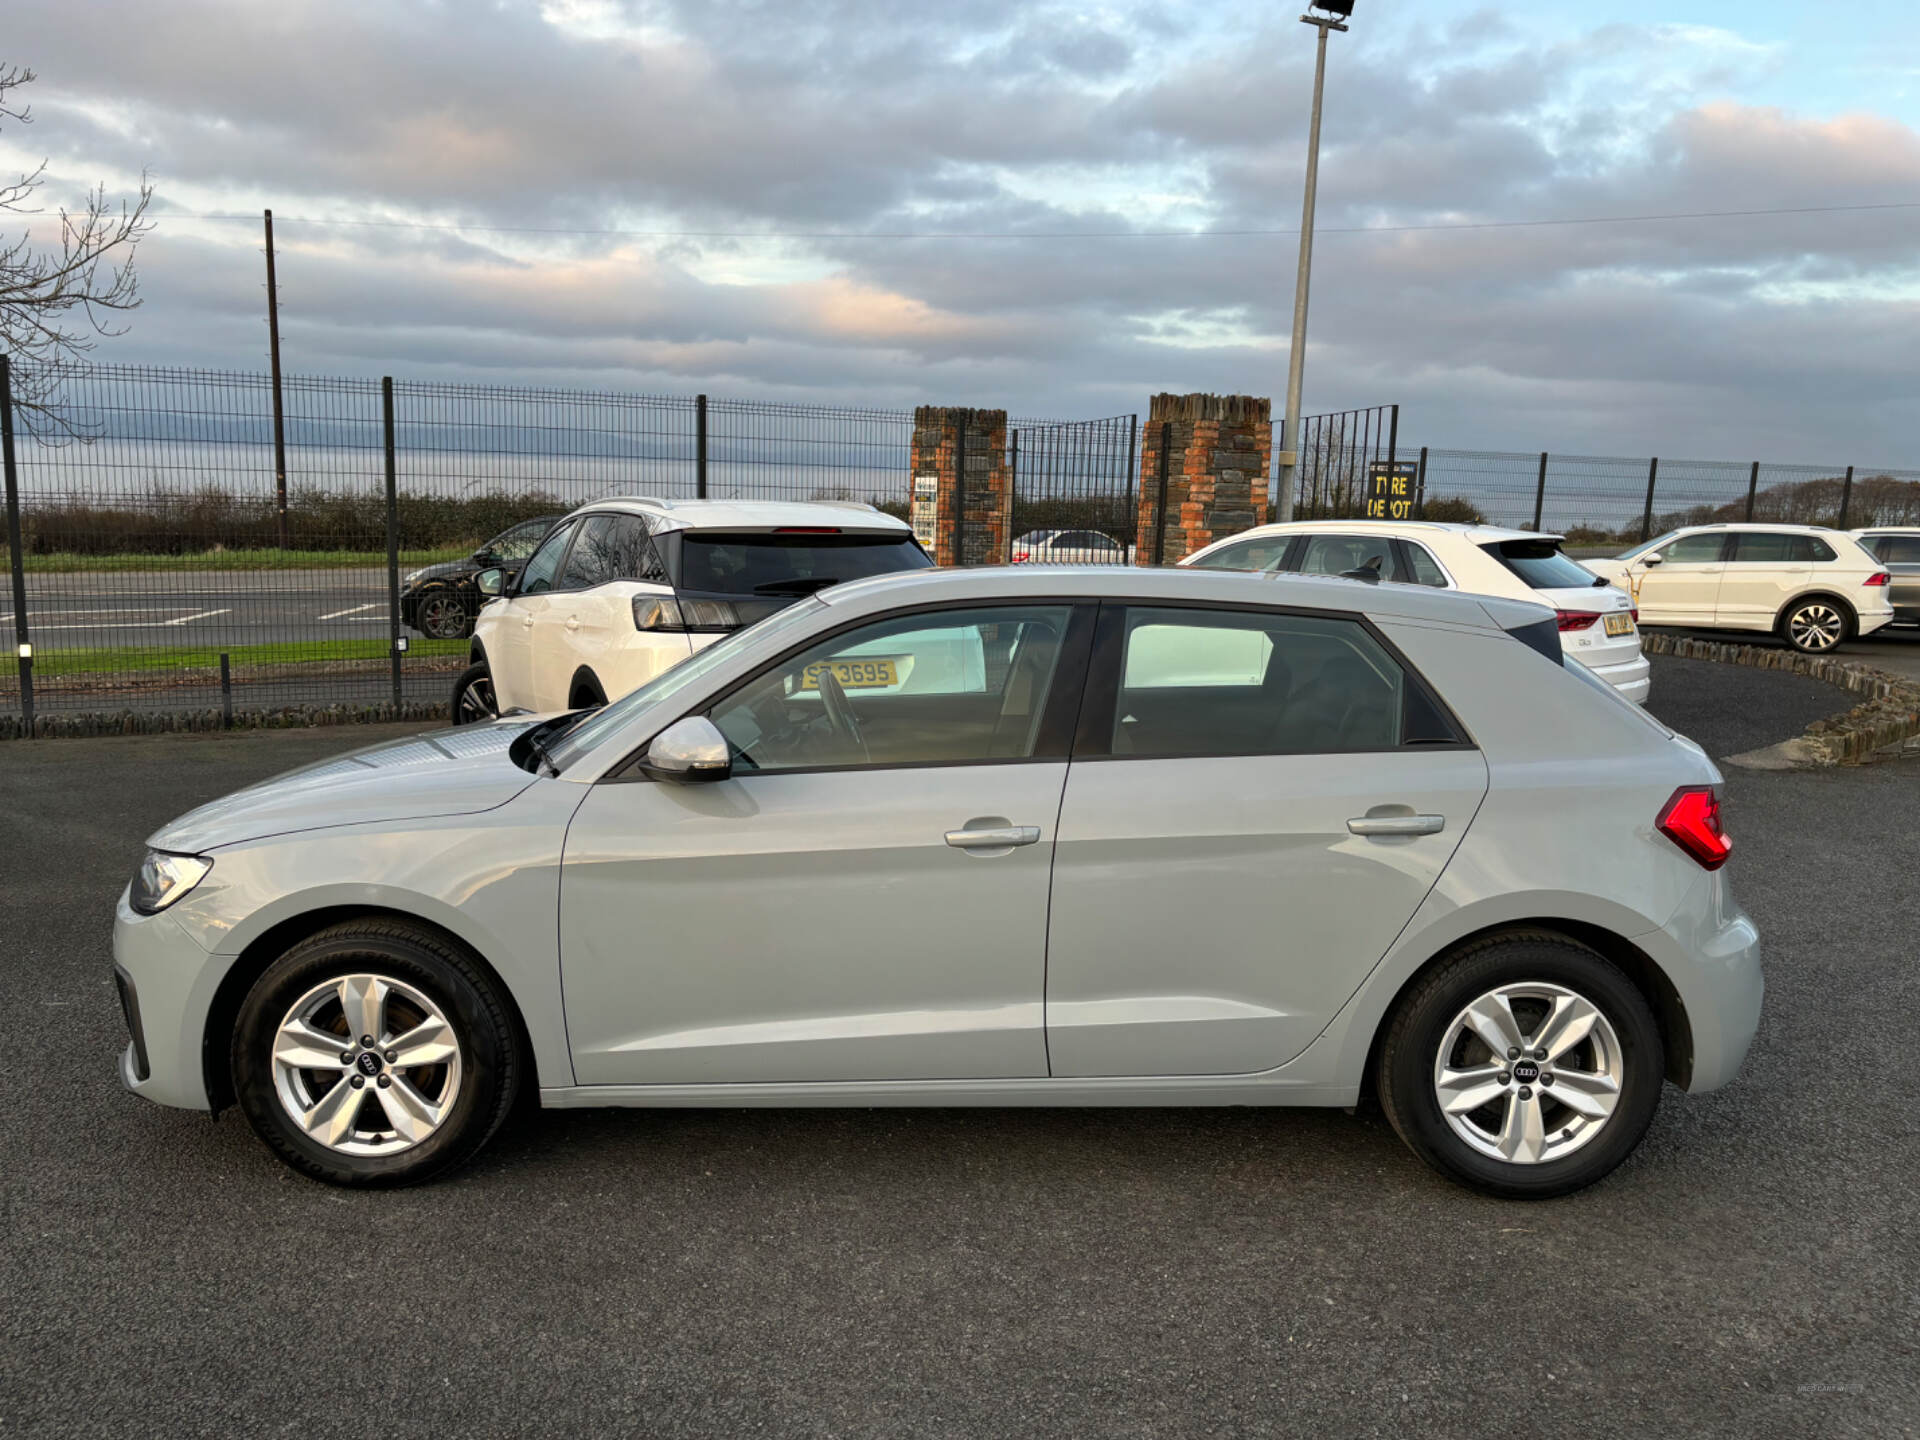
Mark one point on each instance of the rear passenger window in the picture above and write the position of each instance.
(1426, 570)
(1215, 682)
(1898, 549)
(1337, 554)
(631, 548)
(1771, 548)
(590, 562)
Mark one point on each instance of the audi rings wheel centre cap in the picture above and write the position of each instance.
(1525, 1071)
(369, 1063)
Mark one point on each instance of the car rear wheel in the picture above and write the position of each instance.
(374, 1053)
(443, 614)
(1525, 1067)
(1815, 625)
(473, 698)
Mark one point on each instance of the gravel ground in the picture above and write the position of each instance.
(1751, 1271)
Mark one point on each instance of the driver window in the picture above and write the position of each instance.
(1695, 549)
(538, 575)
(964, 686)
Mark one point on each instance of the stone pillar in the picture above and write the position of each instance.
(966, 451)
(1218, 449)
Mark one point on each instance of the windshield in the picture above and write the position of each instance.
(1540, 565)
(1646, 545)
(589, 733)
(772, 564)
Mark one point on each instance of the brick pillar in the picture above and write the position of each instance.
(974, 507)
(1219, 449)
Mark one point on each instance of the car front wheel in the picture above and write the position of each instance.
(1815, 626)
(374, 1053)
(473, 697)
(1525, 1067)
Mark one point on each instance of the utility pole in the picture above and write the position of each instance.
(1337, 13)
(279, 407)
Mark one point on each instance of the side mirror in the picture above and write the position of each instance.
(491, 583)
(1653, 559)
(689, 749)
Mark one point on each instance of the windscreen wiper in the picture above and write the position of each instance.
(797, 585)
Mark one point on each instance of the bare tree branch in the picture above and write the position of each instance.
(57, 300)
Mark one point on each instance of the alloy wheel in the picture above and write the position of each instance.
(366, 1065)
(476, 701)
(443, 616)
(1529, 1073)
(1816, 627)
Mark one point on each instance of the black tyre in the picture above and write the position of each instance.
(1815, 624)
(473, 698)
(436, 1080)
(1523, 1066)
(444, 613)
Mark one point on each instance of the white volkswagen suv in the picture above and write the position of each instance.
(1597, 622)
(1811, 587)
(623, 589)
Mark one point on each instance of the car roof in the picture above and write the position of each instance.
(1887, 530)
(664, 514)
(1384, 600)
(1761, 525)
(1478, 534)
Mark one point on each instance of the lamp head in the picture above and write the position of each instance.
(1336, 9)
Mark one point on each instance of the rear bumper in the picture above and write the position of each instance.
(1710, 951)
(1632, 678)
(1875, 620)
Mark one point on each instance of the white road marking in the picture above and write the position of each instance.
(189, 619)
(354, 611)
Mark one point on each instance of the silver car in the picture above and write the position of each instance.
(1031, 836)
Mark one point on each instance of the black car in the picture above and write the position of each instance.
(440, 601)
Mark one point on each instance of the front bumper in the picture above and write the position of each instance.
(172, 980)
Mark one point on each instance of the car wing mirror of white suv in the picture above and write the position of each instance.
(491, 582)
(689, 749)
(1653, 559)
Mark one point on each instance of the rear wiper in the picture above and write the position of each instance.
(798, 585)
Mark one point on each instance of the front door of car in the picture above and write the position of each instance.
(865, 898)
(1683, 586)
(1764, 570)
(510, 638)
(1254, 812)
(574, 629)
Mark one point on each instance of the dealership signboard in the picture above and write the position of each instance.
(1390, 485)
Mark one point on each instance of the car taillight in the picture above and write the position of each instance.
(1879, 577)
(1635, 613)
(1574, 619)
(1691, 820)
(653, 612)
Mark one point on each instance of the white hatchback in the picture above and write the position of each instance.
(623, 589)
(1597, 621)
(1813, 588)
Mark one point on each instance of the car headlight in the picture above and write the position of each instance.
(164, 878)
(411, 576)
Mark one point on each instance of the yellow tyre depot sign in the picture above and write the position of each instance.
(1390, 489)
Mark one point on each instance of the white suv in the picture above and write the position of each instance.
(1597, 622)
(1812, 587)
(622, 589)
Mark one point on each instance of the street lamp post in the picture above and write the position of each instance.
(1334, 18)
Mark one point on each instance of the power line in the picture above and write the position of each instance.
(1055, 234)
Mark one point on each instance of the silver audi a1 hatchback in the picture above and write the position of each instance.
(1032, 836)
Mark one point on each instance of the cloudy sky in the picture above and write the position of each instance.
(746, 197)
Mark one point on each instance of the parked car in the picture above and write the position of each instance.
(623, 589)
(1813, 588)
(1068, 547)
(1242, 839)
(1897, 548)
(441, 600)
(1597, 623)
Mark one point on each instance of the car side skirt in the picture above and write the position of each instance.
(1210, 1090)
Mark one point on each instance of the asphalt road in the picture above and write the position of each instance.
(1751, 1271)
(202, 607)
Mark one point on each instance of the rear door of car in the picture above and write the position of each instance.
(1765, 569)
(1258, 802)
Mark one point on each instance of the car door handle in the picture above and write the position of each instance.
(1397, 824)
(1000, 838)
(527, 621)
(573, 622)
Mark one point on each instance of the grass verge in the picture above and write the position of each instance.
(66, 564)
(138, 660)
